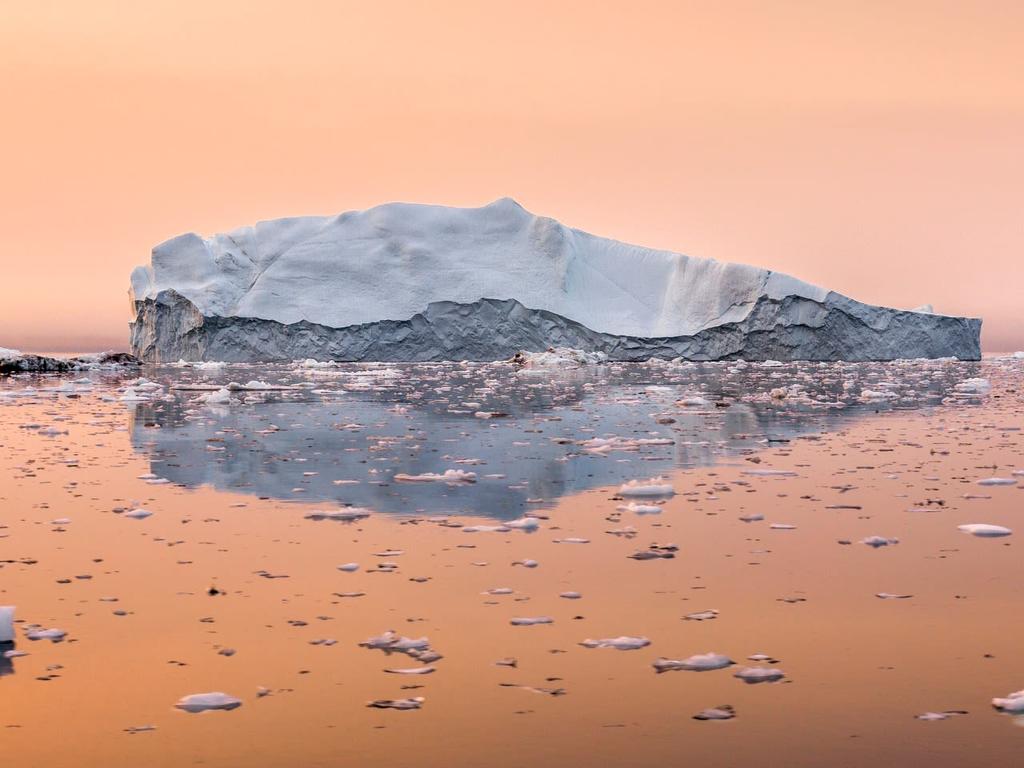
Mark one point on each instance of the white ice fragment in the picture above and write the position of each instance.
(524, 524)
(53, 635)
(622, 643)
(753, 675)
(346, 515)
(349, 567)
(412, 671)
(701, 662)
(401, 704)
(653, 487)
(449, 476)
(640, 509)
(985, 530)
(202, 702)
(1013, 703)
(721, 712)
(138, 514)
(530, 621)
(878, 541)
(998, 481)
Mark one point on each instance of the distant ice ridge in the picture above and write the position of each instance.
(404, 282)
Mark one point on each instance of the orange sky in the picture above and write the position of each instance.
(876, 148)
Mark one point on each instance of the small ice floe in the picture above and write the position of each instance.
(414, 703)
(221, 396)
(138, 514)
(622, 643)
(452, 476)
(498, 591)
(139, 729)
(653, 487)
(769, 473)
(507, 662)
(391, 641)
(892, 596)
(975, 386)
(640, 509)
(782, 527)
(523, 524)
(998, 481)
(945, 715)
(6, 623)
(347, 515)
(349, 567)
(701, 662)
(412, 671)
(878, 541)
(526, 563)
(572, 540)
(529, 621)
(1012, 704)
(655, 552)
(762, 657)
(38, 633)
(721, 712)
(754, 675)
(985, 530)
(570, 595)
(753, 517)
(701, 615)
(485, 529)
(204, 702)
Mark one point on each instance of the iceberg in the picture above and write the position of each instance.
(418, 283)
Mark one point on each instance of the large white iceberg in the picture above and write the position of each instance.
(421, 282)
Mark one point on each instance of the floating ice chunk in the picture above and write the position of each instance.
(570, 595)
(985, 530)
(529, 621)
(499, 591)
(221, 396)
(6, 619)
(769, 473)
(526, 563)
(53, 635)
(202, 702)
(721, 712)
(892, 596)
(412, 671)
(1013, 703)
(976, 386)
(622, 643)
(347, 515)
(701, 615)
(138, 514)
(640, 509)
(650, 487)
(754, 675)
(448, 476)
(486, 529)
(392, 641)
(752, 517)
(878, 541)
(782, 527)
(524, 524)
(933, 716)
(349, 567)
(413, 703)
(701, 662)
(998, 481)
(572, 540)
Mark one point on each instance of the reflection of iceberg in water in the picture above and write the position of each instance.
(342, 439)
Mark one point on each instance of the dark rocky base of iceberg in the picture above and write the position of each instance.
(170, 328)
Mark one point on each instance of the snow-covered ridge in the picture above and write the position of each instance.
(396, 261)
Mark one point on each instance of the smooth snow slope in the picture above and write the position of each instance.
(391, 261)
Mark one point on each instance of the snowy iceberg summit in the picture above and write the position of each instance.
(403, 282)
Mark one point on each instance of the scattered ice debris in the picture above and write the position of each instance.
(1013, 703)
(557, 357)
(203, 702)
(6, 619)
(754, 675)
(701, 615)
(702, 662)
(529, 621)
(975, 386)
(653, 487)
(452, 476)
(945, 715)
(878, 541)
(402, 704)
(985, 530)
(721, 712)
(137, 514)
(622, 643)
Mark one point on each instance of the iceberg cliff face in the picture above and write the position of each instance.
(419, 283)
